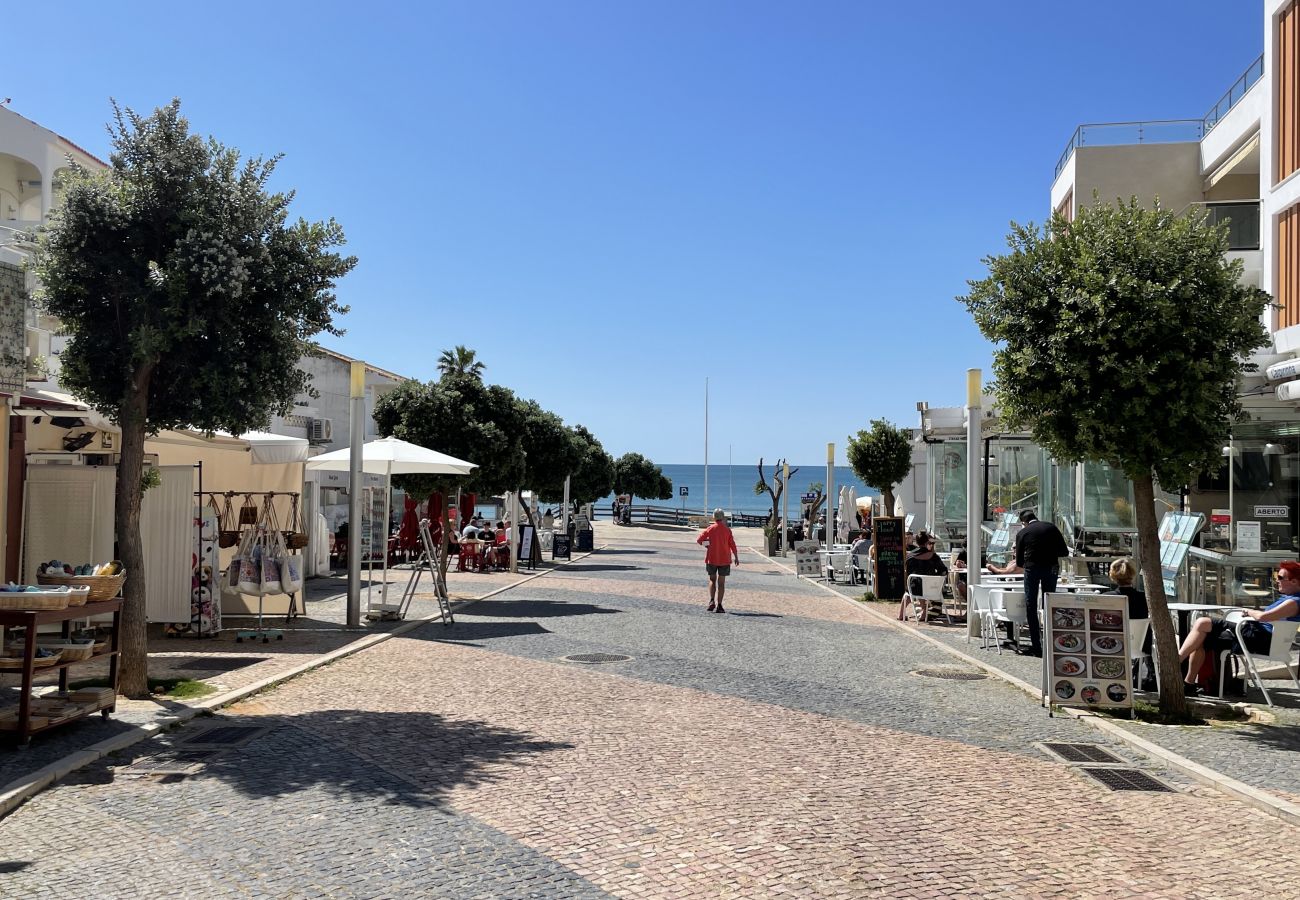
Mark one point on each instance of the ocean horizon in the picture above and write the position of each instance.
(731, 487)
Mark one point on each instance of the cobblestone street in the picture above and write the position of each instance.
(794, 747)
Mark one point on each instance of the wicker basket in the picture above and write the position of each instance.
(71, 651)
(15, 663)
(102, 587)
(27, 600)
(295, 540)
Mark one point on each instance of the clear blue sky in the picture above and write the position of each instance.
(612, 201)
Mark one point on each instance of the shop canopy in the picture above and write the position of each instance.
(267, 449)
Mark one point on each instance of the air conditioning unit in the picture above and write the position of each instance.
(320, 431)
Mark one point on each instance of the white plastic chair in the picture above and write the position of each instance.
(927, 596)
(979, 601)
(839, 565)
(1009, 609)
(1137, 634)
(858, 564)
(1279, 650)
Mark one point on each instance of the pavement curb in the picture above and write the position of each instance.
(18, 791)
(1245, 793)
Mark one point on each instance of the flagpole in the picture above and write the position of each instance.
(706, 446)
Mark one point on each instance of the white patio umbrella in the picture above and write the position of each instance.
(846, 516)
(388, 457)
(851, 510)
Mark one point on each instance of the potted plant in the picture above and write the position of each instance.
(772, 538)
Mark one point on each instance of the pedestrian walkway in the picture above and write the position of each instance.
(1262, 754)
(229, 665)
(596, 733)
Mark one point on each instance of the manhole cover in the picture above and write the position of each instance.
(186, 762)
(1082, 753)
(596, 657)
(950, 674)
(215, 663)
(1126, 780)
(223, 736)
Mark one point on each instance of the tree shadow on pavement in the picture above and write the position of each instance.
(394, 758)
(754, 615)
(1277, 737)
(583, 567)
(469, 632)
(533, 609)
(622, 552)
(8, 868)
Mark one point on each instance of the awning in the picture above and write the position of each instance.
(273, 449)
(41, 402)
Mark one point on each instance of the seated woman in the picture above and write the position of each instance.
(925, 561)
(1123, 572)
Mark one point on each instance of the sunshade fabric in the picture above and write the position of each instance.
(391, 456)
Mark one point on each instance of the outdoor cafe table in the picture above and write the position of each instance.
(1185, 611)
(826, 556)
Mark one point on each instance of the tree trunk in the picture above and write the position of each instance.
(1172, 701)
(134, 640)
(888, 495)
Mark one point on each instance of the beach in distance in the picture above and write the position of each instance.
(732, 487)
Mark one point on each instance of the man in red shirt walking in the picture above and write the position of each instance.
(721, 550)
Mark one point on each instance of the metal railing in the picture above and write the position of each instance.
(666, 515)
(1115, 134)
(1254, 72)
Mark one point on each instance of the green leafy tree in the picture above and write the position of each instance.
(460, 361)
(552, 449)
(1121, 337)
(187, 297)
(594, 476)
(461, 416)
(637, 476)
(881, 458)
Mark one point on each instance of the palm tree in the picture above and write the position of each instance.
(460, 361)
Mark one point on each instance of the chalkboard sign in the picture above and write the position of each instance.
(560, 546)
(891, 556)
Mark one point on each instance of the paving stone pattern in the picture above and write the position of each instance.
(1265, 756)
(782, 750)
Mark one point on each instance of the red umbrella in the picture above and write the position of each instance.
(467, 507)
(408, 536)
(433, 512)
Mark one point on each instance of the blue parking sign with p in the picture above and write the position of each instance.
(683, 491)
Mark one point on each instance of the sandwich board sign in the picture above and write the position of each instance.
(1087, 654)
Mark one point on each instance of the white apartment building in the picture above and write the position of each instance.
(1240, 160)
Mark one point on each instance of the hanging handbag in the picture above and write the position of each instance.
(295, 538)
(227, 529)
(248, 512)
(291, 573)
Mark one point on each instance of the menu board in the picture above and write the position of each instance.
(1087, 650)
(526, 533)
(1177, 531)
(560, 546)
(807, 563)
(891, 558)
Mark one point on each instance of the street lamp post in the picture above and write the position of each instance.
(356, 415)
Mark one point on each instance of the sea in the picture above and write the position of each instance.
(732, 488)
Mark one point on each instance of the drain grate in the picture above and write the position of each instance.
(185, 762)
(1082, 753)
(950, 674)
(596, 657)
(1126, 780)
(223, 737)
(215, 663)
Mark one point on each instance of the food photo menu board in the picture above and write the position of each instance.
(1087, 651)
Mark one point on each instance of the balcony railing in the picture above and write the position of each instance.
(1238, 90)
(1242, 218)
(1115, 134)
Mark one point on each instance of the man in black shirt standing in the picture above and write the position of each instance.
(1039, 549)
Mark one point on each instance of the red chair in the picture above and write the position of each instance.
(469, 556)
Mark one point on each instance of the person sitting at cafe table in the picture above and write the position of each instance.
(1221, 634)
(925, 561)
(1123, 571)
(859, 552)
